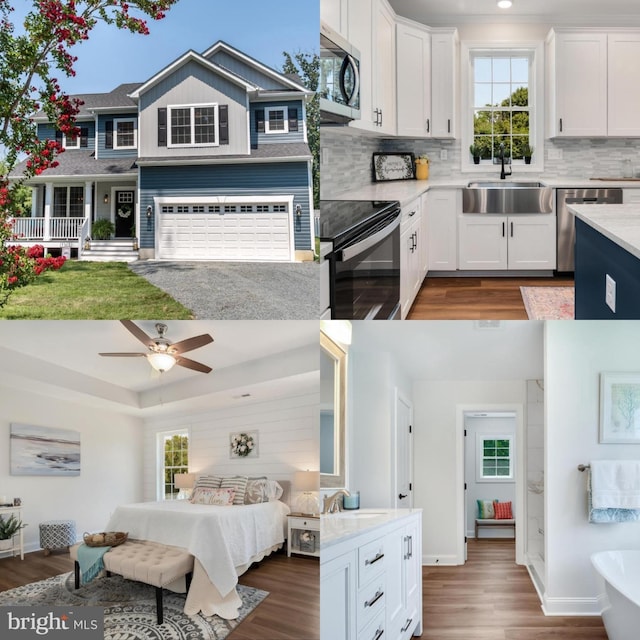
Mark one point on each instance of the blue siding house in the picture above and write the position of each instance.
(206, 160)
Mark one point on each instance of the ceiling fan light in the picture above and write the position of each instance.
(161, 361)
(504, 4)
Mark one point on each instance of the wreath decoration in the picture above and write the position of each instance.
(124, 214)
(242, 444)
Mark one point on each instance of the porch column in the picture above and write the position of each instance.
(34, 201)
(48, 200)
(88, 201)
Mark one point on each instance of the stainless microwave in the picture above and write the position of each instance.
(339, 86)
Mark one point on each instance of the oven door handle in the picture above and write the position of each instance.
(359, 247)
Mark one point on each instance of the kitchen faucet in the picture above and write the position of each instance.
(503, 173)
(332, 503)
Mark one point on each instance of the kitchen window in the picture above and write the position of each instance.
(276, 120)
(124, 133)
(194, 126)
(502, 106)
(494, 458)
(173, 457)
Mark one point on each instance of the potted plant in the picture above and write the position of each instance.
(422, 167)
(527, 152)
(87, 243)
(102, 229)
(8, 529)
(474, 150)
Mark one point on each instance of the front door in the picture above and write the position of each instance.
(125, 214)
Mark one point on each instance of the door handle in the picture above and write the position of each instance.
(448, 126)
(512, 229)
(428, 126)
(402, 495)
(560, 125)
(503, 229)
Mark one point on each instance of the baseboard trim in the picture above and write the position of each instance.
(571, 606)
(440, 561)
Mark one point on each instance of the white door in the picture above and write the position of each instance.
(404, 457)
(224, 232)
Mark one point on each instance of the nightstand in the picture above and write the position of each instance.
(17, 542)
(303, 535)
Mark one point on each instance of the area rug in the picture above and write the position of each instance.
(549, 303)
(130, 608)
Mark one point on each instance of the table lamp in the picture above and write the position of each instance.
(184, 482)
(307, 482)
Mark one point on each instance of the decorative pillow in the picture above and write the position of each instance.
(502, 510)
(273, 491)
(256, 491)
(218, 497)
(238, 484)
(208, 482)
(485, 509)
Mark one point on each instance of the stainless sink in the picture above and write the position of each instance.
(507, 198)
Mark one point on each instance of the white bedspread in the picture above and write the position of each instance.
(223, 539)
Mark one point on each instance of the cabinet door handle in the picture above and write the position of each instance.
(448, 126)
(406, 626)
(428, 126)
(376, 597)
(379, 632)
(377, 557)
(560, 125)
(503, 229)
(409, 541)
(413, 213)
(512, 229)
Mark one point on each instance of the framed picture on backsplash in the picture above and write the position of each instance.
(620, 408)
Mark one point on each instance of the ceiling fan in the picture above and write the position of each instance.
(163, 354)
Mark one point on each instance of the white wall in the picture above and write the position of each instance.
(535, 470)
(576, 353)
(288, 439)
(502, 491)
(435, 443)
(111, 463)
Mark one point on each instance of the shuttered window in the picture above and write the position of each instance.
(72, 141)
(276, 120)
(196, 126)
(125, 133)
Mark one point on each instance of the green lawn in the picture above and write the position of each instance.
(92, 291)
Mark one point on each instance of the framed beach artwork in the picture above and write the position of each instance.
(620, 408)
(44, 451)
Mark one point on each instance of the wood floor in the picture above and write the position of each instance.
(476, 298)
(290, 612)
(492, 598)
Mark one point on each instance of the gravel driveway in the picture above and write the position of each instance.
(239, 290)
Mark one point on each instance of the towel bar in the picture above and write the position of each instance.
(583, 467)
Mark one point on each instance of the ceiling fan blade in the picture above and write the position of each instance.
(192, 364)
(124, 355)
(138, 333)
(191, 343)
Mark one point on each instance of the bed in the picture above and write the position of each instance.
(224, 540)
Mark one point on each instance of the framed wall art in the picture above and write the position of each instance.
(243, 444)
(44, 451)
(620, 408)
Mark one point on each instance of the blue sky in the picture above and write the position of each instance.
(262, 29)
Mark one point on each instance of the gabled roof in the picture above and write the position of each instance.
(191, 56)
(287, 79)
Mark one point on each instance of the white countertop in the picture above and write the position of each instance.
(335, 528)
(618, 222)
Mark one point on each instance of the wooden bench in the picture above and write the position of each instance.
(492, 522)
(150, 562)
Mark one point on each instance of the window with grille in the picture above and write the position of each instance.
(276, 120)
(495, 458)
(194, 125)
(124, 133)
(68, 202)
(173, 458)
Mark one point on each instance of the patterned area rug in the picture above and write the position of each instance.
(130, 608)
(549, 303)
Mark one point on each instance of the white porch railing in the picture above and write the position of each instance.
(57, 228)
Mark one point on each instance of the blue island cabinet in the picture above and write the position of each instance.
(597, 257)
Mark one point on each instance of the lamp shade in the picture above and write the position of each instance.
(161, 361)
(307, 480)
(184, 480)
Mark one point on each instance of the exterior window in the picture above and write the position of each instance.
(276, 120)
(230, 208)
(183, 209)
(194, 126)
(494, 458)
(173, 449)
(167, 209)
(124, 134)
(262, 208)
(214, 208)
(70, 141)
(197, 208)
(279, 207)
(68, 202)
(246, 208)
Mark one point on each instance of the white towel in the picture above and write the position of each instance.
(615, 484)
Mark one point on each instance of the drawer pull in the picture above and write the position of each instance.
(379, 556)
(406, 626)
(379, 632)
(370, 603)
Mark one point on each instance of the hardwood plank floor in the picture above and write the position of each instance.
(476, 298)
(290, 612)
(492, 598)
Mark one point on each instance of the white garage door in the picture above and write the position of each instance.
(239, 231)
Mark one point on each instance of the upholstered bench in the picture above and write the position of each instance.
(150, 562)
(491, 522)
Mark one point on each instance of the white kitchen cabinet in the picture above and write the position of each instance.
(441, 208)
(444, 82)
(384, 597)
(623, 84)
(488, 242)
(411, 242)
(335, 14)
(413, 80)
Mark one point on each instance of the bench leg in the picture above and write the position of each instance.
(76, 573)
(159, 609)
(476, 530)
(187, 579)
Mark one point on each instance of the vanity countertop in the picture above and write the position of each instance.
(339, 527)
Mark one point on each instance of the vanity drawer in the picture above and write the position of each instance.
(375, 629)
(371, 561)
(371, 602)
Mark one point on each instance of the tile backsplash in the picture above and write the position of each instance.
(348, 164)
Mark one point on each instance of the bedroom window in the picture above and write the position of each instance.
(494, 458)
(173, 449)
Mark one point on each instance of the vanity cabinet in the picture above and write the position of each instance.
(413, 247)
(442, 207)
(371, 580)
(488, 242)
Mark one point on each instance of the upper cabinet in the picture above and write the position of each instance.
(593, 83)
(335, 14)
(444, 82)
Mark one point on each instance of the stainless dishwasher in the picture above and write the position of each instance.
(566, 237)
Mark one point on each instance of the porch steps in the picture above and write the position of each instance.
(110, 251)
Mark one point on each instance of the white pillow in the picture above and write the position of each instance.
(218, 497)
(273, 490)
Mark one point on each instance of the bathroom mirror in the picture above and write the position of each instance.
(333, 360)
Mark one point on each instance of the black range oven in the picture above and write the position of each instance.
(365, 259)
